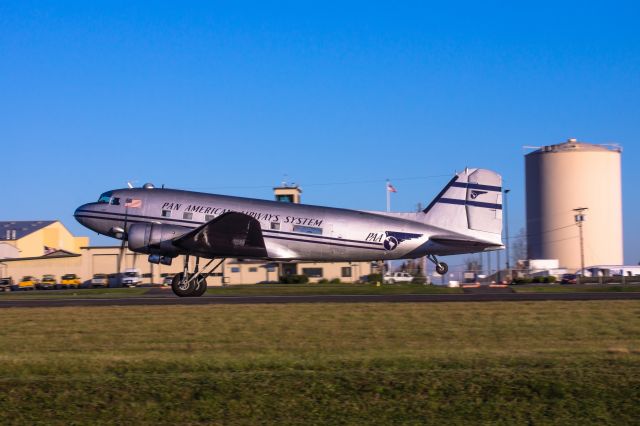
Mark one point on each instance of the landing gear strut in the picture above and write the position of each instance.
(441, 267)
(194, 284)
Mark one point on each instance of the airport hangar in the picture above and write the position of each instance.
(46, 247)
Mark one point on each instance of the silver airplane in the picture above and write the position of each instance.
(466, 217)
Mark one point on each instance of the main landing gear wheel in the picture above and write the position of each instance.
(185, 288)
(442, 268)
(185, 284)
(200, 287)
(182, 287)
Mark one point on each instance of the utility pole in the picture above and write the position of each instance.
(506, 223)
(580, 217)
(499, 277)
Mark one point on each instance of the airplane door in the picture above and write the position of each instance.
(338, 230)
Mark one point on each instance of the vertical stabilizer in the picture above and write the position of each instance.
(471, 201)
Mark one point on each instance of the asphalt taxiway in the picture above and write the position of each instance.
(168, 299)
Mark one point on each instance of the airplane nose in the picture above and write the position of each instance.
(80, 213)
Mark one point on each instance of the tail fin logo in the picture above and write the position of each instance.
(475, 194)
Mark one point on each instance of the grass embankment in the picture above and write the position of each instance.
(557, 288)
(551, 362)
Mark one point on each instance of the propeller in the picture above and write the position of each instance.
(123, 245)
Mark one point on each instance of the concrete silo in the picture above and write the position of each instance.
(561, 178)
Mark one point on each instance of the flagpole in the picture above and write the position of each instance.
(388, 197)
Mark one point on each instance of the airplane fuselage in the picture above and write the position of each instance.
(290, 231)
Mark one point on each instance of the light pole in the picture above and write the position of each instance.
(580, 217)
(506, 223)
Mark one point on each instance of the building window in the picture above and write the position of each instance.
(166, 213)
(253, 269)
(187, 215)
(312, 272)
(307, 229)
(208, 217)
(346, 272)
(275, 226)
(284, 198)
(235, 269)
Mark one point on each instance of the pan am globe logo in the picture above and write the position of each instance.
(393, 239)
(475, 194)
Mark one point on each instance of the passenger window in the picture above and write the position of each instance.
(187, 215)
(166, 213)
(307, 229)
(275, 226)
(208, 217)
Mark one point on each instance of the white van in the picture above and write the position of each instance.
(131, 277)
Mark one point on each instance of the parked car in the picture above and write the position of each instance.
(6, 283)
(131, 278)
(167, 280)
(28, 282)
(397, 277)
(100, 280)
(48, 282)
(569, 279)
(70, 281)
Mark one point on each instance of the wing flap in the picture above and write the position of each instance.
(231, 234)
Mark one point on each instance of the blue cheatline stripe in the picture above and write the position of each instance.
(470, 203)
(129, 216)
(120, 216)
(321, 237)
(477, 186)
(323, 242)
(267, 236)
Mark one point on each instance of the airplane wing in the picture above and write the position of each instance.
(231, 234)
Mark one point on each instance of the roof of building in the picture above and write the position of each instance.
(22, 228)
(57, 256)
(574, 145)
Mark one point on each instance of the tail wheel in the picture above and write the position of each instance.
(181, 287)
(442, 268)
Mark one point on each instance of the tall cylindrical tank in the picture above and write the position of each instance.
(564, 177)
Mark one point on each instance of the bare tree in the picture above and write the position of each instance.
(519, 247)
(472, 264)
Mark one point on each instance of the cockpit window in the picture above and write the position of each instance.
(115, 201)
(105, 198)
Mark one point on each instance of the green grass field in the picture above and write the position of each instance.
(498, 363)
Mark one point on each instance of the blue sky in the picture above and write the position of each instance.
(230, 97)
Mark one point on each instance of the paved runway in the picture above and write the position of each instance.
(167, 300)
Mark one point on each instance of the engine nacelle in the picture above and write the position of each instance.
(153, 238)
